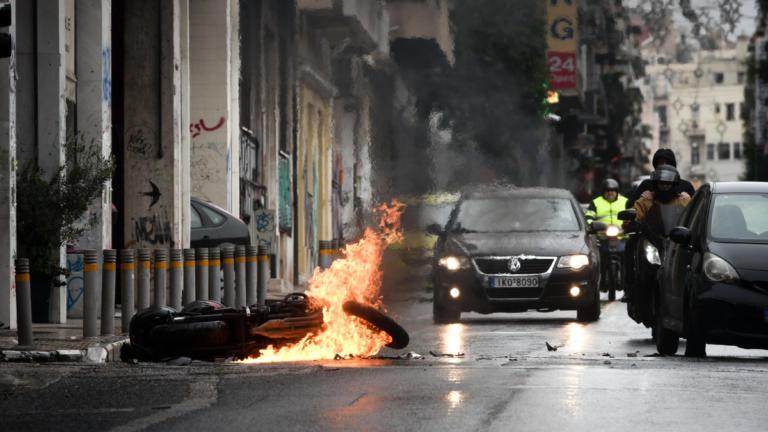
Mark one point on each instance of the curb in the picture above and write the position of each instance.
(97, 353)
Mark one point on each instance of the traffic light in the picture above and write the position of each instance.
(6, 42)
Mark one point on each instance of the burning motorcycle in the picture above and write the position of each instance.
(206, 330)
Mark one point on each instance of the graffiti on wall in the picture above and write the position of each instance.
(154, 193)
(75, 283)
(199, 128)
(106, 76)
(154, 229)
(140, 140)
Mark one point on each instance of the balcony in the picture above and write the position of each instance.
(360, 25)
(422, 20)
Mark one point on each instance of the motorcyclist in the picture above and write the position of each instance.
(665, 182)
(605, 208)
(645, 189)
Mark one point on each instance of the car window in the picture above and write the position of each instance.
(215, 217)
(196, 222)
(693, 210)
(505, 214)
(418, 217)
(739, 218)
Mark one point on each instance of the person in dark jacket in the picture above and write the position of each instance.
(661, 157)
(683, 189)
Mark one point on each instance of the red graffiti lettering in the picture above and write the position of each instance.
(197, 129)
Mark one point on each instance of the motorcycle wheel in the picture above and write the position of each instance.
(379, 321)
(170, 340)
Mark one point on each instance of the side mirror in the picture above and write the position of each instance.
(627, 215)
(597, 227)
(434, 229)
(680, 235)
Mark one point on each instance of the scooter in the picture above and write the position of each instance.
(611, 252)
(207, 330)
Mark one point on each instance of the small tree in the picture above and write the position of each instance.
(48, 208)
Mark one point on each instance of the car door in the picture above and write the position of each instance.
(678, 261)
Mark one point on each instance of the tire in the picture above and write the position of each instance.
(667, 341)
(380, 321)
(591, 312)
(442, 314)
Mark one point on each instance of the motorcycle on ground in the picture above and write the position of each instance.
(206, 330)
(648, 254)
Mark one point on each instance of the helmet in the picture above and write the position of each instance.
(610, 184)
(665, 173)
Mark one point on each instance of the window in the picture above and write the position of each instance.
(719, 77)
(737, 150)
(196, 221)
(214, 216)
(730, 112)
(695, 154)
(710, 152)
(724, 151)
(717, 108)
(740, 77)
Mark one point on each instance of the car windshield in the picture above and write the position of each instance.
(516, 214)
(740, 218)
(419, 216)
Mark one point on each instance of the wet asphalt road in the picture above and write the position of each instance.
(603, 376)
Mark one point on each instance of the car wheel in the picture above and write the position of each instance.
(591, 312)
(442, 314)
(667, 340)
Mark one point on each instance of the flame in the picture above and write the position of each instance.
(356, 276)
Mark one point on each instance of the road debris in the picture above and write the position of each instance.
(437, 354)
(552, 347)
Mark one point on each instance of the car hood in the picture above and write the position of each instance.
(519, 243)
(742, 256)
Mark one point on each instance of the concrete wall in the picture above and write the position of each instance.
(93, 69)
(214, 78)
(154, 184)
(8, 165)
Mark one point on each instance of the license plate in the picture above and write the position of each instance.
(515, 282)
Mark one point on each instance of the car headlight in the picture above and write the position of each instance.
(651, 253)
(717, 269)
(612, 231)
(574, 262)
(453, 263)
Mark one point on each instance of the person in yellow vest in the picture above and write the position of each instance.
(607, 206)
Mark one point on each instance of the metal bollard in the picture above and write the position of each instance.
(90, 294)
(251, 274)
(326, 254)
(189, 277)
(128, 286)
(161, 276)
(201, 278)
(177, 278)
(145, 259)
(214, 274)
(261, 292)
(108, 292)
(240, 277)
(228, 259)
(336, 246)
(23, 303)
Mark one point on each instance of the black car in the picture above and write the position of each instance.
(714, 277)
(515, 249)
(213, 226)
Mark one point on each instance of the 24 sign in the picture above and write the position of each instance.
(562, 70)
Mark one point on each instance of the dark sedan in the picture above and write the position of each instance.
(714, 278)
(515, 249)
(213, 226)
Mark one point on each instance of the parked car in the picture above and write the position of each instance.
(714, 278)
(421, 211)
(212, 226)
(515, 249)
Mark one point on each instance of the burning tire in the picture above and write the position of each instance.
(380, 321)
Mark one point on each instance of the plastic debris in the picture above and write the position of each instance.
(437, 354)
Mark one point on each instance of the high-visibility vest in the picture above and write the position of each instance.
(606, 212)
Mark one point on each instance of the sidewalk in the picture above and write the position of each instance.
(62, 342)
